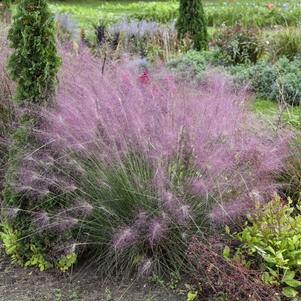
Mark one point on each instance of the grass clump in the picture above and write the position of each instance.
(137, 171)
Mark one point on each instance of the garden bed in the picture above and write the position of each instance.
(19, 284)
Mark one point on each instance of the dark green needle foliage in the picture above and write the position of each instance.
(33, 65)
(192, 23)
(34, 62)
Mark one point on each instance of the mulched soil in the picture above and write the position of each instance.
(20, 284)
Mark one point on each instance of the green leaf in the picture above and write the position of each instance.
(191, 296)
(288, 275)
(226, 252)
(289, 292)
(293, 283)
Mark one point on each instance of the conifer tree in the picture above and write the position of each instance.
(34, 62)
(192, 22)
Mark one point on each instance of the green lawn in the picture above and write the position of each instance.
(88, 12)
(270, 111)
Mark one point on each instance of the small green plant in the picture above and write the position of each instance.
(33, 65)
(57, 295)
(12, 245)
(20, 252)
(192, 296)
(74, 296)
(175, 278)
(274, 234)
(37, 259)
(108, 294)
(66, 262)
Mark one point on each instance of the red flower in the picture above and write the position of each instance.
(144, 78)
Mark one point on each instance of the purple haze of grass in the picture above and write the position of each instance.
(140, 28)
(208, 128)
(157, 230)
(124, 238)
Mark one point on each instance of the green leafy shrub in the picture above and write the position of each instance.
(286, 43)
(12, 244)
(239, 45)
(276, 82)
(37, 259)
(66, 262)
(274, 234)
(193, 65)
(261, 78)
(192, 23)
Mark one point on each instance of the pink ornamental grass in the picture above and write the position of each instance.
(208, 156)
(117, 113)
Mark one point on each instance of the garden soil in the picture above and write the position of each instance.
(19, 284)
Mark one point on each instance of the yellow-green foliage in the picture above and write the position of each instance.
(274, 233)
(37, 259)
(11, 242)
(66, 262)
(20, 253)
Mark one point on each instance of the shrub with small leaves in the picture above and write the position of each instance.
(274, 234)
(239, 45)
(277, 82)
(193, 65)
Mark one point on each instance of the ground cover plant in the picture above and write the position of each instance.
(273, 234)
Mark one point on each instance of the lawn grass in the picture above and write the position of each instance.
(89, 12)
(270, 111)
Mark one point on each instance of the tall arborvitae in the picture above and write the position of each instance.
(192, 22)
(34, 62)
(33, 65)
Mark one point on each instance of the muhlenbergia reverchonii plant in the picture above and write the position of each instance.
(140, 163)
